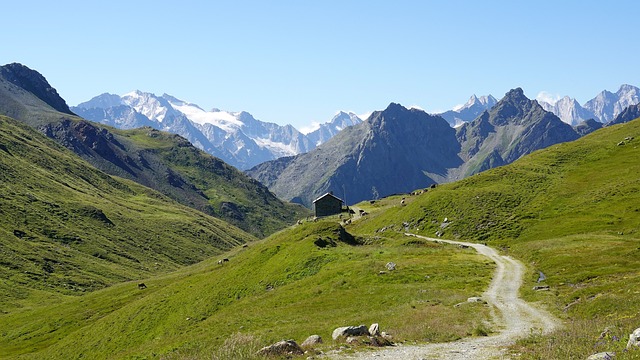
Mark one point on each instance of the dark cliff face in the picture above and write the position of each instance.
(514, 127)
(628, 114)
(35, 83)
(393, 151)
(587, 127)
(400, 150)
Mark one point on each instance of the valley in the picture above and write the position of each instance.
(136, 244)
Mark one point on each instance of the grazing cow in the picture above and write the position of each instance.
(142, 286)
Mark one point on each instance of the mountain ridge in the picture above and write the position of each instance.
(387, 158)
(209, 185)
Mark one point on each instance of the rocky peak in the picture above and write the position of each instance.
(516, 96)
(33, 82)
(513, 105)
(102, 101)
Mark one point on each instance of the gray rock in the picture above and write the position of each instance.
(541, 287)
(284, 347)
(634, 339)
(602, 356)
(379, 341)
(351, 340)
(374, 329)
(312, 340)
(346, 331)
(476, 299)
(391, 266)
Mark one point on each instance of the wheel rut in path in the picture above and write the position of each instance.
(512, 315)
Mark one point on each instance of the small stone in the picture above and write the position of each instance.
(374, 329)
(541, 287)
(312, 340)
(634, 339)
(602, 356)
(352, 340)
(476, 299)
(391, 266)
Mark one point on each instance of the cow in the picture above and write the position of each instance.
(142, 286)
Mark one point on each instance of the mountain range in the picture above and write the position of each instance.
(399, 150)
(603, 108)
(235, 137)
(165, 162)
(369, 159)
(469, 111)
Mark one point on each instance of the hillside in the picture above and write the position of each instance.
(308, 279)
(67, 227)
(164, 162)
(571, 212)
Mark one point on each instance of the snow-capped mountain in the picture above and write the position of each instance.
(603, 108)
(568, 110)
(236, 137)
(326, 131)
(469, 111)
(606, 105)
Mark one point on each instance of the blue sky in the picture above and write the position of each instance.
(298, 62)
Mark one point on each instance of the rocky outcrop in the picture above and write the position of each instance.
(628, 114)
(284, 347)
(35, 83)
(346, 331)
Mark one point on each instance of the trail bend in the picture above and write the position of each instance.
(512, 315)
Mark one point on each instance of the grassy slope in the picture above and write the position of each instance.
(154, 159)
(282, 287)
(67, 227)
(571, 211)
(258, 212)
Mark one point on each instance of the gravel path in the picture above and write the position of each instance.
(515, 318)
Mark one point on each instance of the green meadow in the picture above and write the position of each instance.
(571, 211)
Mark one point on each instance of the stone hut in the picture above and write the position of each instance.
(327, 204)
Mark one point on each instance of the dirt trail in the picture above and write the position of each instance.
(513, 316)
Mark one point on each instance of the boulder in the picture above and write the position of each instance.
(374, 329)
(602, 356)
(312, 340)
(634, 339)
(284, 347)
(346, 331)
